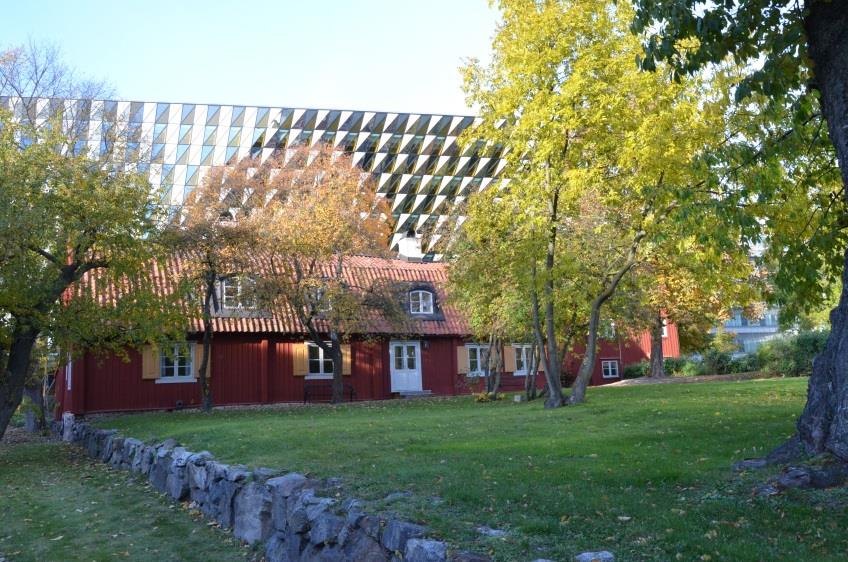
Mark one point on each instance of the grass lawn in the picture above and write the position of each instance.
(56, 505)
(643, 471)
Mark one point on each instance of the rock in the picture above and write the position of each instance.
(489, 532)
(750, 464)
(425, 550)
(68, 421)
(397, 533)
(219, 505)
(161, 469)
(600, 556)
(325, 529)
(176, 484)
(263, 474)
(275, 549)
(360, 546)
(316, 506)
(372, 525)
(395, 496)
(287, 484)
(252, 513)
(236, 473)
(795, 477)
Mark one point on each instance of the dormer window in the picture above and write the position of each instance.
(238, 293)
(421, 302)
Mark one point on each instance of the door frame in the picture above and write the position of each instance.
(417, 344)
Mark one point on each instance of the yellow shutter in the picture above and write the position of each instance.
(462, 359)
(300, 359)
(346, 359)
(198, 358)
(509, 359)
(150, 362)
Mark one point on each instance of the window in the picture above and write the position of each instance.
(319, 367)
(522, 359)
(609, 369)
(665, 328)
(175, 363)
(421, 302)
(476, 356)
(238, 293)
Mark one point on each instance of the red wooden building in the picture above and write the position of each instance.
(261, 359)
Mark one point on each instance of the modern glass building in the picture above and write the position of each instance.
(415, 158)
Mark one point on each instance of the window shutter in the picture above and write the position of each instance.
(150, 362)
(300, 359)
(509, 359)
(197, 358)
(462, 359)
(346, 357)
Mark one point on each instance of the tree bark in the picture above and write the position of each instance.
(17, 368)
(823, 425)
(532, 367)
(657, 363)
(336, 354)
(205, 387)
(553, 384)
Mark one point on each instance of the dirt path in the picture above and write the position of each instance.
(702, 378)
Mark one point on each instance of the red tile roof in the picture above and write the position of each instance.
(359, 271)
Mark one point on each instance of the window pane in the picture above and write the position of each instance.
(410, 357)
(473, 363)
(519, 358)
(399, 357)
(314, 366)
(314, 352)
(328, 366)
(426, 302)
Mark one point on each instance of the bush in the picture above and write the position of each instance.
(717, 362)
(691, 369)
(792, 356)
(636, 370)
(673, 365)
(745, 364)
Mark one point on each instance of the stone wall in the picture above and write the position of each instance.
(290, 513)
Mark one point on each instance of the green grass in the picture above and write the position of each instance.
(57, 505)
(643, 471)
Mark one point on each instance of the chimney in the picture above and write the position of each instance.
(409, 247)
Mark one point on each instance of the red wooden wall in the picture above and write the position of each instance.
(257, 369)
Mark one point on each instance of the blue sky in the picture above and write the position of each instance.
(399, 55)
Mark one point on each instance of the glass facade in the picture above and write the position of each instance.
(415, 159)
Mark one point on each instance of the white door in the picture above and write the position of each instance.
(405, 357)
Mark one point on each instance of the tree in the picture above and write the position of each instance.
(577, 123)
(322, 213)
(215, 240)
(794, 53)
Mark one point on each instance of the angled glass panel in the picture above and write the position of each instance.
(136, 112)
(185, 134)
(238, 116)
(235, 136)
(330, 121)
(393, 144)
(188, 115)
(192, 175)
(461, 126)
(209, 135)
(182, 154)
(160, 132)
(307, 120)
(419, 127)
(232, 152)
(354, 122)
(398, 125)
(213, 114)
(206, 154)
(442, 126)
(262, 117)
(375, 124)
(286, 117)
(162, 112)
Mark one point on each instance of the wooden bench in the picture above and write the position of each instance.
(322, 391)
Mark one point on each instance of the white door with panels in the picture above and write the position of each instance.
(405, 358)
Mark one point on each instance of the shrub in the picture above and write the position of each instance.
(673, 365)
(691, 369)
(636, 370)
(792, 356)
(745, 364)
(717, 362)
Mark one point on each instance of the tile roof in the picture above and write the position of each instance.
(360, 271)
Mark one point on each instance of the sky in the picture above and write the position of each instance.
(389, 55)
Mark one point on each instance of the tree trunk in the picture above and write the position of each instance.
(532, 368)
(17, 368)
(338, 381)
(553, 384)
(205, 387)
(823, 425)
(584, 375)
(657, 364)
(496, 367)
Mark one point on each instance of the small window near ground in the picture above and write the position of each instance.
(609, 369)
(319, 366)
(476, 357)
(175, 362)
(421, 302)
(522, 359)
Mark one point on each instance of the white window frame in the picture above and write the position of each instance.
(69, 372)
(609, 363)
(522, 351)
(425, 306)
(239, 284)
(665, 328)
(323, 375)
(477, 348)
(177, 350)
